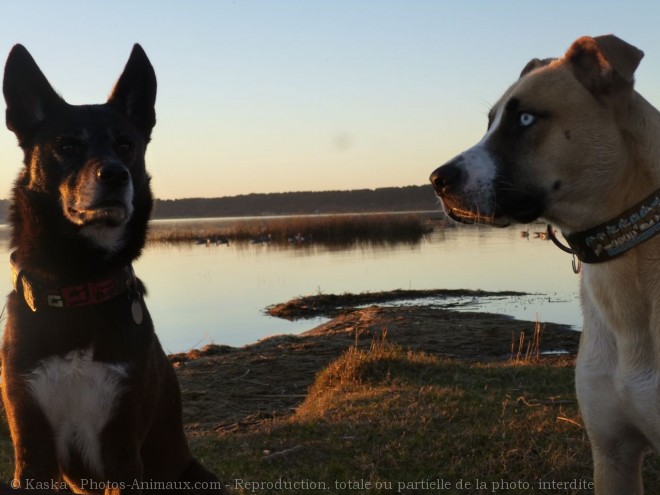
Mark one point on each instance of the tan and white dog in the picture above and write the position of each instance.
(572, 142)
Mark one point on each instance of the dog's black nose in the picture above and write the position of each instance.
(446, 176)
(113, 174)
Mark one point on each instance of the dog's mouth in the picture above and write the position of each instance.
(459, 213)
(473, 189)
(109, 214)
(509, 208)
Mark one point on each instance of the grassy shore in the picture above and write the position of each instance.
(325, 229)
(386, 420)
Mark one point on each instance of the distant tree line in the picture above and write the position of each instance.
(386, 199)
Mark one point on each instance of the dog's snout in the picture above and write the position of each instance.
(113, 174)
(446, 176)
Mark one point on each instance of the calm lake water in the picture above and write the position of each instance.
(201, 294)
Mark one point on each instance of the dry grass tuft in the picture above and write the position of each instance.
(528, 350)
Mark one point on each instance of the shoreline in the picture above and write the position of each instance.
(232, 388)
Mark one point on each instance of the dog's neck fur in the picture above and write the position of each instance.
(642, 126)
(634, 223)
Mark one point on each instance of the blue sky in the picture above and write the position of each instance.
(275, 96)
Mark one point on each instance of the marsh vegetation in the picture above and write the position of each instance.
(383, 228)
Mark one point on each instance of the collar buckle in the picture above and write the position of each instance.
(576, 263)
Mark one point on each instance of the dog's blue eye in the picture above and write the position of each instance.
(526, 119)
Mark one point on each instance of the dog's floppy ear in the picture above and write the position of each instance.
(134, 93)
(605, 63)
(28, 94)
(535, 63)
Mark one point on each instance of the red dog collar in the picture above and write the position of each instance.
(80, 295)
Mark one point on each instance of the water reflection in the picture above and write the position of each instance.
(200, 294)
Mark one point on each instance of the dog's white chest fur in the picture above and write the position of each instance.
(77, 396)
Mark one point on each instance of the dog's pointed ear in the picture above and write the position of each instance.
(134, 94)
(28, 94)
(604, 64)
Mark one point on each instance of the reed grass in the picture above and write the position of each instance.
(311, 229)
(528, 350)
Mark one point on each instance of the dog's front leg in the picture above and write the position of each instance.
(123, 468)
(616, 446)
(124, 479)
(35, 465)
(617, 467)
(121, 442)
(34, 446)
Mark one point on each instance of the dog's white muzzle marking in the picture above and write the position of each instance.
(77, 396)
(475, 194)
(111, 238)
(479, 169)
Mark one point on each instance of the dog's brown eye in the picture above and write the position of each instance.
(124, 147)
(68, 146)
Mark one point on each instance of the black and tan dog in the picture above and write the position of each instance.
(90, 396)
(571, 141)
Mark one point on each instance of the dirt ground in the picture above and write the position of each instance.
(227, 389)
